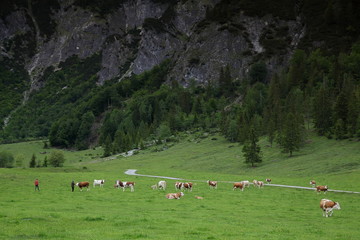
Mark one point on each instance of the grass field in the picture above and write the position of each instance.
(269, 213)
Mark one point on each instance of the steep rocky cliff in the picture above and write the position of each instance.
(134, 36)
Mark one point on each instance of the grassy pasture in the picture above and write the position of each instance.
(269, 213)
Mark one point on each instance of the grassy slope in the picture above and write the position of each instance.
(269, 213)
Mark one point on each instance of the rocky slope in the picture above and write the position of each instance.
(134, 36)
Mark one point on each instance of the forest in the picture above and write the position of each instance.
(316, 92)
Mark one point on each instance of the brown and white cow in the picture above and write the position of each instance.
(99, 182)
(239, 185)
(268, 180)
(179, 185)
(212, 184)
(258, 184)
(328, 206)
(82, 185)
(322, 189)
(188, 186)
(313, 183)
(174, 195)
(123, 185)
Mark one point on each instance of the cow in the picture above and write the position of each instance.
(99, 182)
(124, 185)
(212, 184)
(268, 180)
(328, 206)
(313, 183)
(161, 185)
(188, 186)
(322, 189)
(258, 184)
(246, 183)
(82, 185)
(174, 195)
(239, 185)
(179, 185)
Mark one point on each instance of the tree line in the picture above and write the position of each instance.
(317, 91)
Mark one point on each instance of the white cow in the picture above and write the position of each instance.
(246, 183)
(99, 182)
(162, 185)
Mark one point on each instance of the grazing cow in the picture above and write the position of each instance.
(179, 185)
(162, 185)
(99, 182)
(268, 180)
(188, 186)
(258, 184)
(313, 183)
(239, 185)
(246, 183)
(322, 189)
(82, 185)
(212, 184)
(327, 206)
(174, 195)
(124, 185)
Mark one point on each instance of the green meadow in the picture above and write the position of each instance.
(107, 213)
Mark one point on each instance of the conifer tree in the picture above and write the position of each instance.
(251, 149)
(107, 147)
(32, 163)
(291, 136)
(322, 111)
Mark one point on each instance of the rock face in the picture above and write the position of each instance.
(137, 35)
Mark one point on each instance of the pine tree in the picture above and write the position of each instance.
(251, 149)
(107, 147)
(32, 163)
(322, 111)
(45, 163)
(291, 136)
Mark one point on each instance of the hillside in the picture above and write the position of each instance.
(122, 75)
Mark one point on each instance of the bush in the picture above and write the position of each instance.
(6, 160)
(56, 159)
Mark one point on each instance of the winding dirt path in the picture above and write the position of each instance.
(132, 172)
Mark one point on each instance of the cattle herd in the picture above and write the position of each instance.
(325, 204)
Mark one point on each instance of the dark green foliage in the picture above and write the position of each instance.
(322, 111)
(258, 72)
(107, 146)
(6, 160)
(43, 11)
(12, 85)
(64, 92)
(8, 6)
(291, 136)
(32, 162)
(251, 149)
(45, 163)
(225, 10)
(334, 22)
(56, 159)
(101, 7)
(84, 131)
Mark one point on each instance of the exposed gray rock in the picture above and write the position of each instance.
(199, 48)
